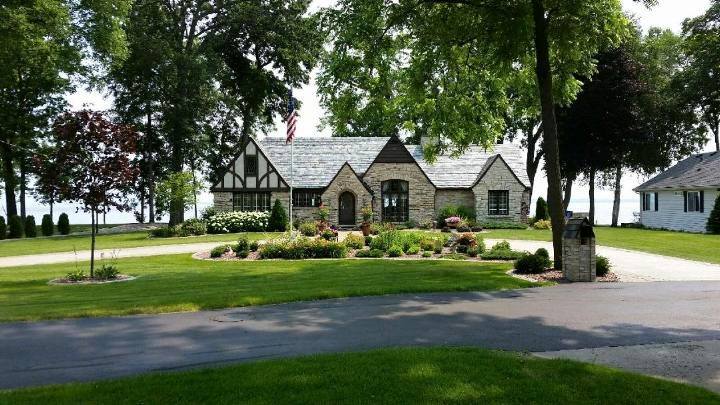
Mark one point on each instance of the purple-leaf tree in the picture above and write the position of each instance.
(93, 164)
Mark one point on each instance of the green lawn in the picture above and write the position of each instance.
(28, 246)
(180, 283)
(691, 246)
(389, 376)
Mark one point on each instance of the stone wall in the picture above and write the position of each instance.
(223, 201)
(346, 180)
(579, 261)
(500, 177)
(421, 191)
(443, 198)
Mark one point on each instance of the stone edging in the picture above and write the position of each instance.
(122, 278)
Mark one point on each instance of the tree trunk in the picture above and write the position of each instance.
(51, 211)
(616, 199)
(151, 201)
(8, 172)
(717, 136)
(142, 205)
(23, 188)
(568, 193)
(192, 166)
(592, 196)
(93, 231)
(552, 152)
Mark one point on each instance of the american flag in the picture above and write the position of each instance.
(291, 118)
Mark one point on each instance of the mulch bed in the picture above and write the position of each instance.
(64, 281)
(556, 276)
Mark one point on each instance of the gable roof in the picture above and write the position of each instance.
(319, 159)
(463, 171)
(697, 171)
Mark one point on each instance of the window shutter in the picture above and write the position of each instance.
(702, 201)
(685, 200)
(656, 201)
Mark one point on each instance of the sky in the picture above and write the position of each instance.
(667, 14)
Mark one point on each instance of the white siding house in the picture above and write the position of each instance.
(682, 197)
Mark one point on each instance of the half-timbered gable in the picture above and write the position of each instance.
(251, 170)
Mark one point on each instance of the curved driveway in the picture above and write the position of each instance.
(543, 320)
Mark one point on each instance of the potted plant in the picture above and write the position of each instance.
(323, 215)
(367, 215)
(452, 222)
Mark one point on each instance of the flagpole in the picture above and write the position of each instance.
(292, 183)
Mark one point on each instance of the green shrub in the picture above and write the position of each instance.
(448, 211)
(406, 239)
(368, 240)
(76, 276)
(427, 244)
(254, 246)
(438, 248)
(107, 272)
(541, 209)
(454, 256)
(602, 266)
(377, 228)
(426, 254)
(194, 227)
(30, 227)
(461, 249)
(395, 251)
(46, 226)
(531, 264)
(542, 224)
(413, 250)
(242, 254)
(3, 228)
(63, 224)
(353, 241)
(503, 245)
(328, 234)
(243, 244)
(308, 228)
(370, 253)
(278, 218)
(502, 251)
(218, 251)
(209, 212)
(713, 223)
(163, 232)
(479, 243)
(542, 252)
(473, 251)
(303, 248)
(502, 225)
(15, 227)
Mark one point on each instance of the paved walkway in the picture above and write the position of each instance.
(542, 320)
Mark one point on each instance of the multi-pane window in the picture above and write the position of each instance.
(306, 198)
(395, 206)
(693, 201)
(251, 201)
(251, 165)
(649, 201)
(498, 202)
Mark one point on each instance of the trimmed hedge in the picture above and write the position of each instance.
(15, 227)
(278, 221)
(370, 253)
(3, 228)
(602, 266)
(303, 248)
(30, 227)
(47, 227)
(63, 224)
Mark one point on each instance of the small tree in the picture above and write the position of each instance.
(278, 221)
(47, 226)
(63, 224)
(94, 157)
(713, 224)
(15, 227)
(3, 228)
(30, 227)
(541, 209)
(178, 189)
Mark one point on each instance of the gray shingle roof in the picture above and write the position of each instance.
(319, 159)
(697, 171)
(463, 171)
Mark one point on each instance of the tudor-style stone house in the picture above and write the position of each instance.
(346, 174)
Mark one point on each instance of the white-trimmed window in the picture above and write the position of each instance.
(251, 201)
(693, 201)
(498, 202)
(649, 201)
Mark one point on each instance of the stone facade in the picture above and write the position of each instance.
(346, 180)
(457, 197)
(421, 191)
(223, 201)
(500, 177)
(579, 261)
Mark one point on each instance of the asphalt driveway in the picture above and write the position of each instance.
(549, 321)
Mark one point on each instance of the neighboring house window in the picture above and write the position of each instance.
(498, 202)
(251, 165)
(306, 198)
(251, 201)
(395, 206)
(694, 201)
(650, 201)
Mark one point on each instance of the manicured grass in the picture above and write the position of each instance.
(693, 246)
(18, 247)
(180, 283)
(389, 376)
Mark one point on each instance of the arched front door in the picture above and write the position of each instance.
(346, 211)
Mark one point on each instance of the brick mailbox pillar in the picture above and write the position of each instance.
(579, 250)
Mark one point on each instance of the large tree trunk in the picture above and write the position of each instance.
(23, 188)
(51, 211)
(592, 196)
(8, 172)
(616, 199)
(717, 135)
(568, 193)
(532, 159)
(550, 143)
(151, 200)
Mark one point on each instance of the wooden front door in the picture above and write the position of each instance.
(346, 211)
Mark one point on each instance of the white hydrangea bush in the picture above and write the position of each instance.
(238, 221)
